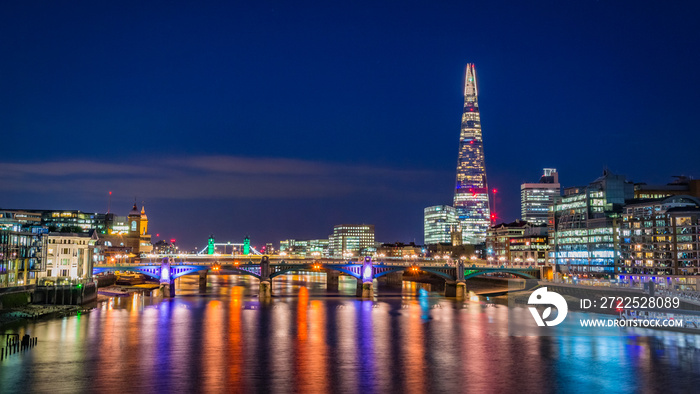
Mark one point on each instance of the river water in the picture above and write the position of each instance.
(306, 340)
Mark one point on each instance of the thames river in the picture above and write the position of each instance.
(408, 340)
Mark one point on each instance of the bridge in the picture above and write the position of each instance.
(266, 269)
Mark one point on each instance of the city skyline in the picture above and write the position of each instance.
(206, 114)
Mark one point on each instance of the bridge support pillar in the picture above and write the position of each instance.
(458, 288)
(461, 290)
(367, 290)
(168, 289)
(265, 290)
(167, 282)
(367, 278)
(203, 281)
(332, 280)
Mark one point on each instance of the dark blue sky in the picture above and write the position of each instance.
(281, 119)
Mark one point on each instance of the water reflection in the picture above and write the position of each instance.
(309, 340)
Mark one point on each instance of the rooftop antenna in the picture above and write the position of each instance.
(109, 203)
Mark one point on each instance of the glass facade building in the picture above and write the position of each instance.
(438, 223)
(536, 198)
(59, 221)
(471, 198)
(584, 228)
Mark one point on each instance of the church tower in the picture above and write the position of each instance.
(144, 222)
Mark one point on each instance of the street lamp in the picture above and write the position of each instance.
(502, 259)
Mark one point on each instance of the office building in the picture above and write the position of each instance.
(471, 199)
(438, 223)
(584, 227)
(61, 220)
(536, 198)
(305, 248)
(352, 240)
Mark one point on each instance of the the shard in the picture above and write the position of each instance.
(471, 193)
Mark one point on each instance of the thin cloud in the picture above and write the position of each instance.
(216, 177)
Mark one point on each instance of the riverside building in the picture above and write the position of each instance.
(659, 242)
(22, 252)
(518, 242)
(584, 227)
(71, 256)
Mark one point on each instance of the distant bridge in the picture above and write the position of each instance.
(266, 268)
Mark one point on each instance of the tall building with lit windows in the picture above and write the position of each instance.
(352, 240)
(536, 198)
(438, 223)
(471, 199)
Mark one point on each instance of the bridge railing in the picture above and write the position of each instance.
(405, 263)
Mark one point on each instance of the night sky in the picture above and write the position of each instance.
(280, 119)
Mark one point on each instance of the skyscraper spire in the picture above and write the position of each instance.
(470, 83)
(471, 192)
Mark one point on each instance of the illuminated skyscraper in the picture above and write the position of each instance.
(471, 193)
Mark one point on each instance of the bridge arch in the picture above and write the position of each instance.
(238, 271)
(179, 271)
(311, 267)
(430, 270)
(475, 273)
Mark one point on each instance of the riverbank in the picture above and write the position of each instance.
(123, 291)
(27, 312)
(32, 312)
